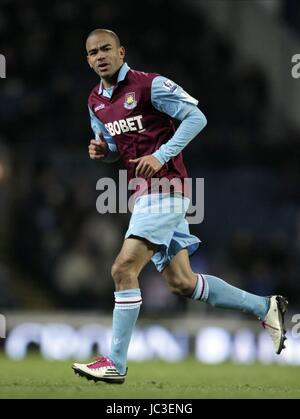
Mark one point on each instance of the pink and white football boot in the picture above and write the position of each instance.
(102, 369)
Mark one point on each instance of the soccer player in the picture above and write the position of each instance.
(131, 115)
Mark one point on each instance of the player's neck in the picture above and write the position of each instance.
(111, 81)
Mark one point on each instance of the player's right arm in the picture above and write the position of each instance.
(102, 147)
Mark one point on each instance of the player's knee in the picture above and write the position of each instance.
(122, 271)
(180, 286)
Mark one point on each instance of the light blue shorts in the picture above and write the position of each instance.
(160, 219)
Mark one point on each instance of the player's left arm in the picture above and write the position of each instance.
(171, 99)
(168, 97)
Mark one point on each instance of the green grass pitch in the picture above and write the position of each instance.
(37, 378)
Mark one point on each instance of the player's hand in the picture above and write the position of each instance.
(98, 149)
(147, 166)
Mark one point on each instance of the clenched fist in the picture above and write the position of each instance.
(98, 149)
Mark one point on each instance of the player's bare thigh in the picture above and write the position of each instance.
(179, 275)
(133, 257)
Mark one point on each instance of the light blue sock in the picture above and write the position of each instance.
(218, 293)
(126, 311)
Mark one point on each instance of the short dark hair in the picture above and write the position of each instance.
(109, 32)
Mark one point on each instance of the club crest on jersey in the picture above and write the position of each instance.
(130, 102)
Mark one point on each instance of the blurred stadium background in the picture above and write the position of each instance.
(56, 250)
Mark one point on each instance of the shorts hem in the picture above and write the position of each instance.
(144, 238)
(186, 247)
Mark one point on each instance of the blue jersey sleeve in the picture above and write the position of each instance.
(169, 98)
(97, 126)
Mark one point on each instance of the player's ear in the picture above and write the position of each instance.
(88, 60)
(122, 52)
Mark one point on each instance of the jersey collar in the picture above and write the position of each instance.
(121, 76)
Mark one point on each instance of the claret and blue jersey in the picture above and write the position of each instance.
(135, 117)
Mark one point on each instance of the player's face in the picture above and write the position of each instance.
(104, 55)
